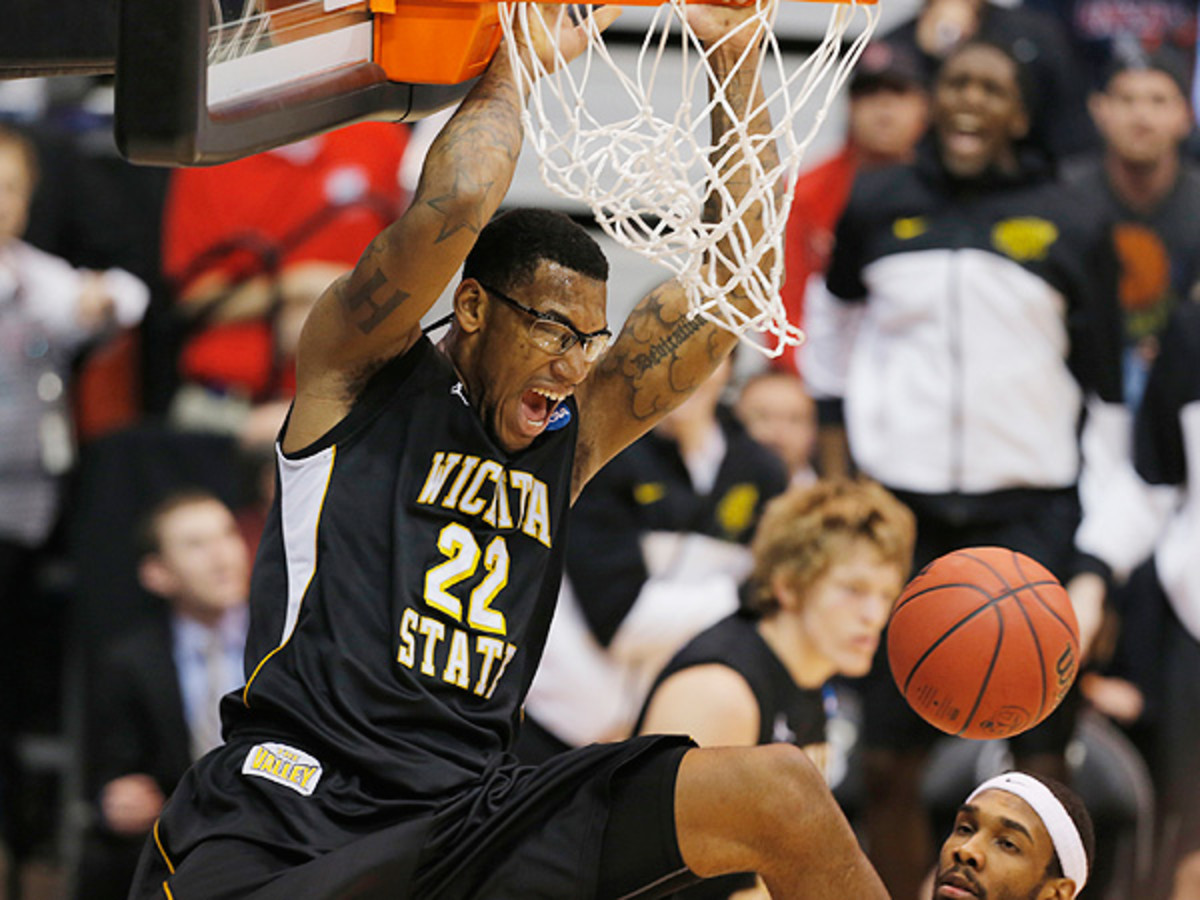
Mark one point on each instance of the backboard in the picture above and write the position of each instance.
(207, 81)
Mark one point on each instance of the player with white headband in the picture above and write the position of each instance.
(1017, 837)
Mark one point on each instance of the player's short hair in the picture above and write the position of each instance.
(11, 137)
(510, 247)
(148, 536)
(1078, 812)
(804, 530)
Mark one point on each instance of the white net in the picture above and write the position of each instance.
(646, 168)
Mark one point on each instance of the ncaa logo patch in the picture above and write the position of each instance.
(284, 765)
(559, 418)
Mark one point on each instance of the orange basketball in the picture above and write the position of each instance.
(983, 643)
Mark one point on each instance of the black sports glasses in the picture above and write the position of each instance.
(555, 335)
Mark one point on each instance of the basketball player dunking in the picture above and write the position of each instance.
(406, 580)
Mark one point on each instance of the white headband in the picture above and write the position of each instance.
(1061, 827)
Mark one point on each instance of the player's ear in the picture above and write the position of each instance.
(155, 576)
(785, 591)
(1057, 889)
(468, 305)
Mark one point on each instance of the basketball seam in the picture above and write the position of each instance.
(1041, 658)
(1050, 609)
(937, 587)
(987, 677)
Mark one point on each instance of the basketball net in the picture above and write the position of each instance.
(646, 174)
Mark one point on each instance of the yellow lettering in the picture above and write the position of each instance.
(408, 644)
(471, 503)
(468, 466)
(458, 666)
(536, 521)
(439, 470)
(523, 482)
(434, 631)
(498, 514)
(490, 649)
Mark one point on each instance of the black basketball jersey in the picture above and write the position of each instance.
(787, 713)
(404, 585)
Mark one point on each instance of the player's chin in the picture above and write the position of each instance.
(856, 660)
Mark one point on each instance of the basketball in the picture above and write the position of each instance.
(983, 643)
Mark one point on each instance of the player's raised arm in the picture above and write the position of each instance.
(374, 312)
(661, 354)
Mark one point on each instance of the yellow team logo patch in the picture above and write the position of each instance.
(1024, 239)
(735, 512)
(907, 229)
(284, 765)
(648, 492)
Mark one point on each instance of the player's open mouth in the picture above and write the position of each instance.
(537, 404)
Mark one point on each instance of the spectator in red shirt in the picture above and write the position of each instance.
(249, 245)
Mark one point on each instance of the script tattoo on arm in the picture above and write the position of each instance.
(662, 354)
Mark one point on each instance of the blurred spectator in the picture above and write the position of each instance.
(1151, 192)
(1099, 28)
(249, 246)
(1165, 611)
(99, 211)
(829, 561)
(154, 695)
(889, 111)
(657, 549)
(1058, 120)
(970, 313)
(49, 311)
(777, 411)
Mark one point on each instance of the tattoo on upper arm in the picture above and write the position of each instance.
(366, 310)
(658, 358)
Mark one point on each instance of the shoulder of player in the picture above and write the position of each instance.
(713, 702)
(326, 396)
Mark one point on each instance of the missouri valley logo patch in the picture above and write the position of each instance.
(284, 765)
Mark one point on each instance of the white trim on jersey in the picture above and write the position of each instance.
(302, 485)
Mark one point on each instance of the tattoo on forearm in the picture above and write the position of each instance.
(479, 146)
(456, 218)
(366, 310)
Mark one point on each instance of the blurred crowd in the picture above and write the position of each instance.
(998, 272)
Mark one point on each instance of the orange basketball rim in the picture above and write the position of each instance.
(446, 41)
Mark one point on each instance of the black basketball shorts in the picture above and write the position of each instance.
(594, 822)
